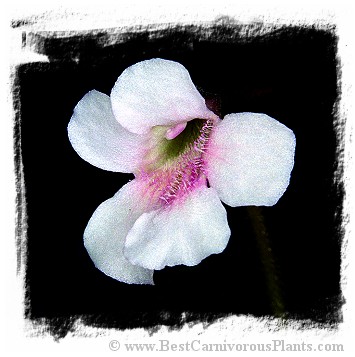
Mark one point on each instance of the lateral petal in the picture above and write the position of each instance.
(250, 159)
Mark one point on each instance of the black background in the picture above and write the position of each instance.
(290, 74)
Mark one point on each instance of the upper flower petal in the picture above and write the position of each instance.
(183, 233)
(156, 92)
(99, 139)
(106, 231)
(250, 159)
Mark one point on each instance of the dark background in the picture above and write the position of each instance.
(290, 74)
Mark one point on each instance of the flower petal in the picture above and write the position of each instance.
(156, 92)
(183, 233)
(99, 139)
(106, 232)
(250, 159)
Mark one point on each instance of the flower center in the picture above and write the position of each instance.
(174, 164)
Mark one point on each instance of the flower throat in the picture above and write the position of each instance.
(173, 167)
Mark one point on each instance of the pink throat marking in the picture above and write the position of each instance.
(173, 181)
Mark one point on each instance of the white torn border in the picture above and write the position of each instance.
(87, 16)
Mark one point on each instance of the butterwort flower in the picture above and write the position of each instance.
(185, 160)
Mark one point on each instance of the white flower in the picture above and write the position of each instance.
(185, 160)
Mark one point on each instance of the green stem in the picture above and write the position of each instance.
(268, 261)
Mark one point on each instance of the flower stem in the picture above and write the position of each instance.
(267, 260)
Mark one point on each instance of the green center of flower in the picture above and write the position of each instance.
(173, 167)
(169, 150)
